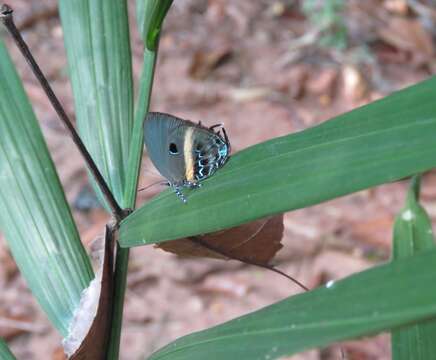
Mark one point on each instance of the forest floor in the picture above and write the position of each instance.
(262, 69)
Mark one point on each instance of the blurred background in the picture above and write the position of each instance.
(263, 68)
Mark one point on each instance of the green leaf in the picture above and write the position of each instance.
(34, 214)
(384, 141)
(5, 353)
(413, 234)
(360, 305)
(150, 15)
(412, 229)
(96, 34)
(137, 144)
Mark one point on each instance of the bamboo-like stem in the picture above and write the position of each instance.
(134, 166)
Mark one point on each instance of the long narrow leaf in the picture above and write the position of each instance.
(97, 41)
(5, 353)
(384, 141)
(34, 214)
(137, 144)
(412, 234)
(364, 304)
(146, 9)
(134, 165)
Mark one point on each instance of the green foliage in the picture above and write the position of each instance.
(361, 305)
(97, 40)
(412, 235)
(5, 353)
(34, 214)
(327, 17)
(384, 141)
(381, 142)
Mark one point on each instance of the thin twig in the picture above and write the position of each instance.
(197, 240)
(7, 19)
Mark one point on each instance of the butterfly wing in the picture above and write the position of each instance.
(210, 152)
(164, 140)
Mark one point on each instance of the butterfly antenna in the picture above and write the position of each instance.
(226, 138)
(215, 126)
(155, 183)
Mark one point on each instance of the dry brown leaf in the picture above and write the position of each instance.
(204, 62)
(256, 242)
(12, 326)
(355, 84)
(323, 82)
(408, 35)
(8, 266)
(428, 190)
(58, 354)
(94, 344)
(399, 7)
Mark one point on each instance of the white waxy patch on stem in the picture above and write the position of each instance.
(407, 215)
(329, 284)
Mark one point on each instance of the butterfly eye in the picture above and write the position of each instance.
(173, 149)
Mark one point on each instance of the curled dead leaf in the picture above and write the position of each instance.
(408, 35)
(255, 242)
(204, 62)
(90, 329)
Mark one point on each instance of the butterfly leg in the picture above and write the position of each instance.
(192, 184)
(178, 191)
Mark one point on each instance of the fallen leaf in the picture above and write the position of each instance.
(58, 354)
(408, 35)
(12, 326)
(428, 190)
(215, 285)
(35, 17)
(249, 94)
(355, 84)
(294, 81)
(323, 82)
(376, 231)
(91, 326)
(399, 7)
(9, 268)
(256, 242)
(204, 62)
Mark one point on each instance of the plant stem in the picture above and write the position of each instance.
(7, 19)
(133, 169)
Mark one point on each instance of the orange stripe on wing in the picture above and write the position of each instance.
(187, 151)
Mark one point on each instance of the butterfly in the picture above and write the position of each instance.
(185, 153)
